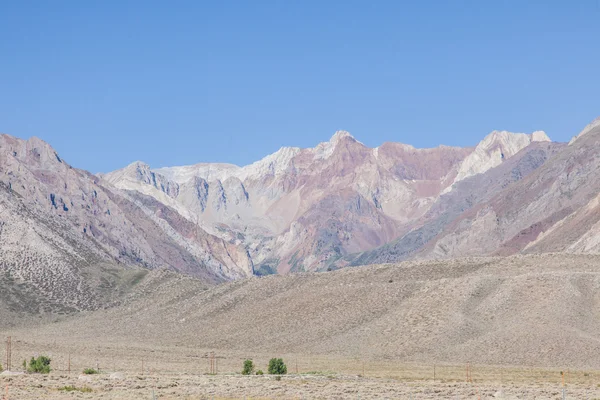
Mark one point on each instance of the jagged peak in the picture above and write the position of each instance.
(339, 136)
(138, 165)
(32, 142)
(595, 123)
(540, 136)
(496, 147)
(325, 149)
(511, 140)
(273, 164)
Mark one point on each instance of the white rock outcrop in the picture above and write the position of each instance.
(494, 149)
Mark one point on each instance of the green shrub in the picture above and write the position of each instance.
(40, 365)
(277, 367)
(248, 368)
(90, 371)
(1, 367)
(259, 372)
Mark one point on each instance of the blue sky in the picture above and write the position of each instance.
(172, 83)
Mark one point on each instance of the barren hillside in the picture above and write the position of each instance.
(527, 310)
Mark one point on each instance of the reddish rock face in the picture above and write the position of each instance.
(304, 209)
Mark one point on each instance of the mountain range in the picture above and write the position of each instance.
(71, 237)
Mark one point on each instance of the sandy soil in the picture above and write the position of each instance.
(181, 386)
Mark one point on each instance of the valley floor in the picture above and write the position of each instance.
(131, 371)
(305, 386)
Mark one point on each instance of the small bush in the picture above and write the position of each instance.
(90, 371)
(277, 367)
(259, 372)
(40, 365)
(1, 367)
(248, 368)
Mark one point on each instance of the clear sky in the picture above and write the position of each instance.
(180, 82)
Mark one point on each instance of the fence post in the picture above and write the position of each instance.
(8, 353)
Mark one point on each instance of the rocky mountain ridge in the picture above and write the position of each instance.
(303, 209)
(70, 240)
(64, 229)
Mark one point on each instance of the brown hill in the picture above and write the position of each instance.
(529, 310)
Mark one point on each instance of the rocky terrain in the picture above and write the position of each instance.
(70, 242)
(318, 208)
(68, 238)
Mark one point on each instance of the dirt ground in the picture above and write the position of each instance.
(513, 328)
(128, 371)
(310, 386)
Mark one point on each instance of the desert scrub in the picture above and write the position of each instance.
(277, 367)
(259, 372)
(90, 371)
(248, 367)
(40, 365)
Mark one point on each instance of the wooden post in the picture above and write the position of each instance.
(469, 373)
(296, 366)
(434, 372)
(8, 353)
(142, 366)
(69, 364)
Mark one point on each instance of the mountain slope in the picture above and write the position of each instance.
(65, 235)
(523, 310)
(452, 206)
(302, 209)
(554, 209)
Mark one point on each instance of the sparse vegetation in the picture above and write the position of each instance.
(259, 372)
(90, 371)
(72, 388)
(40, 365)
(277, 367)
(248, 368)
